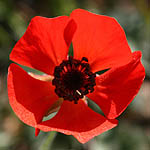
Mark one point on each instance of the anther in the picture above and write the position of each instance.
(73, 79)
(84, 59)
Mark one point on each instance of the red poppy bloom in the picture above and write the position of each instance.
(99, 43)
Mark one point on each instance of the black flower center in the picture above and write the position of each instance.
(73, 79)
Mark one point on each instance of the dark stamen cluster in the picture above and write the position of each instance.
(73, 79)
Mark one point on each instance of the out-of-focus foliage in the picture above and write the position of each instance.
(133, 132)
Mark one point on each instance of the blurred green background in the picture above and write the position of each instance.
(133, 131)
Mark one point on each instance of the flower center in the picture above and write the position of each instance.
(73, 79)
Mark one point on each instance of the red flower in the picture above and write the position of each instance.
(99, 43)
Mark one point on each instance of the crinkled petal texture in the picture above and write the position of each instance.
(29, 98)
(45, 43)
(116, 88)
(78, 120)
(101, 39)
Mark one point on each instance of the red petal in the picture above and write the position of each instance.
(69, 31)
(101, 39)
(117, 87)
(37, 131)
(78, 120)
(29, 98)
(45, 43)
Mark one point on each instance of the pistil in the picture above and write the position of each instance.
(73, 79)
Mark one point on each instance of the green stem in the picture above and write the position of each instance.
(48, 141)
